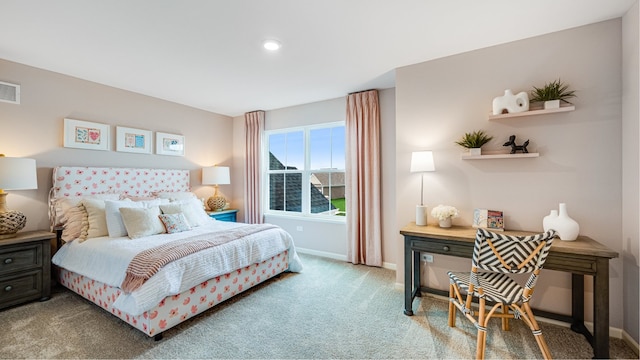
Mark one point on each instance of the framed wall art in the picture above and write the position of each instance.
(86, 135)
(169, 144)
(133, 140)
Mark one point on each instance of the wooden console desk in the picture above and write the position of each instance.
(581, 257)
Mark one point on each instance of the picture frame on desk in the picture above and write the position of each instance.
(488, 219)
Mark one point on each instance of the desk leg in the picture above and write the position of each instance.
(577, 304)
(601, 309)
(416, 274)
(408, 284)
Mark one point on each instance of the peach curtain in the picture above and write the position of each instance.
(254, 127)
(363, 193)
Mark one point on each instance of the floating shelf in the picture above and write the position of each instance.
(533, 112)
(497, 155)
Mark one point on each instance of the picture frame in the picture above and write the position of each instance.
(133, 140)
(88, 135)
(488, 219)
(169, 144)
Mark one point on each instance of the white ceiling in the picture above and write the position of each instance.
(207, 53)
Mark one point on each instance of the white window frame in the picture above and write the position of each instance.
(306, 173)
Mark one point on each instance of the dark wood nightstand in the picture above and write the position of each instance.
(25, 267)
(224, 215)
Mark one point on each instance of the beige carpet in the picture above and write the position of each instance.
(330, 310)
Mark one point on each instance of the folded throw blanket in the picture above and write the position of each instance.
(145, 264)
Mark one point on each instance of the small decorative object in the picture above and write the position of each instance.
(216, 175)
(169, 144)
(552, 93)
(474, 141)
(444, 214)
(86, 135)
(488, 219)
(566, 228)
(514, 147)
(422, 161)
(15, 174)
(510, 103)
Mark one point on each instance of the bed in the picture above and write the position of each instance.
(138, 243)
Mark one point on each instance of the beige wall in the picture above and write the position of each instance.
(34, 129)
(630, 171)
(580, 151)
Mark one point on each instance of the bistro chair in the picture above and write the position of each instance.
(494, 257)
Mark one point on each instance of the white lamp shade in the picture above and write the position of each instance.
(216, 175)
(422, 161)
(18, 174)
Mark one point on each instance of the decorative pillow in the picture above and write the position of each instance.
(63, 204)
(73, 223)
(137, 198)
(192, 210)
(141, 222)
(96, 217)
(174, 223)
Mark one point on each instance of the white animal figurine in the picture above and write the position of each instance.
(511, 103)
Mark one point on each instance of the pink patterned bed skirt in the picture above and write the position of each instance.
(175, 309)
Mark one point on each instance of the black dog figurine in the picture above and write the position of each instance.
(514, 147)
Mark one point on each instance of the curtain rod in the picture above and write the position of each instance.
(357, 92)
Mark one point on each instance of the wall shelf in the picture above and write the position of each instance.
(487, 155)
(533, 112)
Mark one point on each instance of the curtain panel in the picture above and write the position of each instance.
(363, 188)
(254, 128)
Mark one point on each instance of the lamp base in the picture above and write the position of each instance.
(421, 215)
(11, 222)
(216, 203)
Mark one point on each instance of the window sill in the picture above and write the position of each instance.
(334, 219)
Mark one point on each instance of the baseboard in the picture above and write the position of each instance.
(322, 254)
(335, 256)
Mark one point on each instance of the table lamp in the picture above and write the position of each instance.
(15, 174)
(422, 161)
(216, 175)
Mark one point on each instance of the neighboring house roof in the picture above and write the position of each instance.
(337, 179)
(292, 188)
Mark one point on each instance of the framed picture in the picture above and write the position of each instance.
(133, 140)
(86, 135)
(169, 144)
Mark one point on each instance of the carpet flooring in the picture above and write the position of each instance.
(331, 310)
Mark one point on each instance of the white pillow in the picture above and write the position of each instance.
(192, 210)
(141, 222)
(176, 196)
(115, 226)
(63, 204)
(96, 217)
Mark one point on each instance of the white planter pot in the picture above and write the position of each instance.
(552, 104)
(475, 151)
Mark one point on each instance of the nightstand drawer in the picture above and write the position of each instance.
(20, 288)
(224, 215)
(20, 257)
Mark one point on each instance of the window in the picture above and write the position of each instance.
(314, 156)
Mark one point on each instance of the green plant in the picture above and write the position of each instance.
(474, 140)
(555, 90)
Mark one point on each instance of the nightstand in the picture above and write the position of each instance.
(224, 215)
(25, 267)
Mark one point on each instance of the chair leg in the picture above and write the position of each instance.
(482, 331)
(505, 320)
(452, 307)
(537, 333)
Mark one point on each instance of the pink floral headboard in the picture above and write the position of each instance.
(80, 181)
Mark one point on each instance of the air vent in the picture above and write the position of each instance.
(9, 93)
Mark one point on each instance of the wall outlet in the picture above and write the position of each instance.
(299, 228)
(427, 258)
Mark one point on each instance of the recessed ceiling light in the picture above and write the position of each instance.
(272, 45)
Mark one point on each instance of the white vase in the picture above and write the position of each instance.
(446, 223)
(567, 228)
(548, 220)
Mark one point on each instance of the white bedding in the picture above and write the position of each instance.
(106, 259)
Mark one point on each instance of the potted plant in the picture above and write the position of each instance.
(552, 93)
(474, 141)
